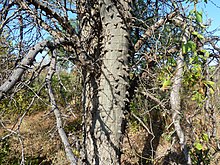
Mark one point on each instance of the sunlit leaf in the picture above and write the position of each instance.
(210, 83)
(166, 84)
(184, 49)
(204, 53)
(198, 146)
(211, 91)
(195, 33)
(198, 16)
(200, 36)
(189, 46)
(205, 137)
(203, 26)
(207, 54)
(191, 60)
(192, 45)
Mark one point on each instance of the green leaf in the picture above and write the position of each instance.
(200, 36)
(184, 49)
(206, 1)
(198, 146)
(166, 84)
(210, 83)
(191, 45)
(198, 97)
(203, 26)
(198, 16)
(203, 51)
(195, 33)
(211, 91)
(191, 12)
(191, 60)
(206, 54)
(205, 137)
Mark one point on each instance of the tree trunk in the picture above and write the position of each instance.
(175, 101)
(105, 93)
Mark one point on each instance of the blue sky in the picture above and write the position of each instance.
(212, 12)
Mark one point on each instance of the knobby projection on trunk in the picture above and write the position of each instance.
(104, 71)
(105, 88)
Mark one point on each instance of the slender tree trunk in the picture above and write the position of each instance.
(105, 94)
(210, 115)
(176, 108)
(175, 101)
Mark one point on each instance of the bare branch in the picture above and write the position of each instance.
(24, 65)
(65, 24)
(142, 123)
(72, 158)
(152, 28)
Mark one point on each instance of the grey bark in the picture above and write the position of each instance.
(175, 101)
(107, 94)
(25, 64)
(20, 69)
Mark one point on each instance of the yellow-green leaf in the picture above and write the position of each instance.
(205, 137)
(203, 26)
(211, 91)
(191, 45)
(198, 16)
(166, 84)
(200, 36)
(184, 49)
(198, 146)
(206, 54)
(195, 33)
(210, 83)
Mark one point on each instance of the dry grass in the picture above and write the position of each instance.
(40, 139)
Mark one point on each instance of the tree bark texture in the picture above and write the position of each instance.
(105, 96)
(175, 101)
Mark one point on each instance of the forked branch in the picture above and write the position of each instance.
(25, 64)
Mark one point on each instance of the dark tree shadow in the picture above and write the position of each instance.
(152, 142)
(172, 157)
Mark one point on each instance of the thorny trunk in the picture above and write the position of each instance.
(105, 84)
